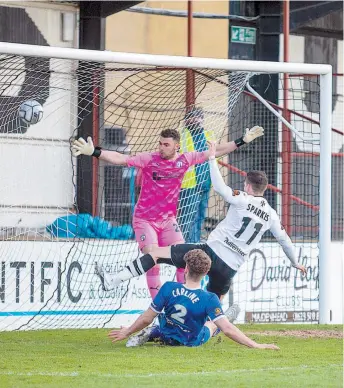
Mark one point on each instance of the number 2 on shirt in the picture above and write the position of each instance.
(180, 313)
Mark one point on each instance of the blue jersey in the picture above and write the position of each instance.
(186, 311)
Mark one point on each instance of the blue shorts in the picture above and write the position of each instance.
(157, 335)
(202, 337)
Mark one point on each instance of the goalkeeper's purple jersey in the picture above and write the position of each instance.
(161, 182)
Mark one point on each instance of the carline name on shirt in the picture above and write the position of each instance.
(182, 291)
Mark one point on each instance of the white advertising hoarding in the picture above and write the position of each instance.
(52, 285)
(273, 291)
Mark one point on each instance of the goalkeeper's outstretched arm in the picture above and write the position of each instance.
(250, 135)
(81, 147)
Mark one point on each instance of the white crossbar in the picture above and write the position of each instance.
(162, 60)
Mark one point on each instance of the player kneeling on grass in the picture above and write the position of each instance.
(183, 311)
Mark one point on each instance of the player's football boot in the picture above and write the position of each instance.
(232, 313)
(105, 278)
(141, 338)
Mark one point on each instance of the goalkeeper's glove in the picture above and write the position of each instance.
(250, 135)
(80, 147)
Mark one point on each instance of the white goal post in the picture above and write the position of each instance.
(325, 74)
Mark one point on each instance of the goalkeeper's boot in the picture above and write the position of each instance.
(107, 280)
(141, 338)
(232, 313)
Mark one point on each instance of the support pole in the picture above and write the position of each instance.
(267, 48)
(189, 48)
(91, 36)
(190, 75)
(286, 134)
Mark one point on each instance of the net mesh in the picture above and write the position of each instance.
(59, 214)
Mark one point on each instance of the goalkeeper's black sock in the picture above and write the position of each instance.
(136, 268)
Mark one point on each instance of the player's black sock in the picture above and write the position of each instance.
(141, 265)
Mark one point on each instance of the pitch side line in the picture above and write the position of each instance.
(171, 374)
(68, 312)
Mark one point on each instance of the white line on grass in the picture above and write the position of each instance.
(164, 374)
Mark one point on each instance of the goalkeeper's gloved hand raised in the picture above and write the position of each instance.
(80, 147)
(253, 133)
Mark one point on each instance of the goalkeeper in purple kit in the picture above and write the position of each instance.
(154, 219)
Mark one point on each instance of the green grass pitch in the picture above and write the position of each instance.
(310, 356)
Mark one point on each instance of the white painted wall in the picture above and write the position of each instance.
(36, 171)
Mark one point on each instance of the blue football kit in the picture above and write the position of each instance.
(183, 313)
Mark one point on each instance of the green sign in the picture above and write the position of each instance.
(243, 35)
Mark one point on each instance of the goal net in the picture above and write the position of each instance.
(60, 215)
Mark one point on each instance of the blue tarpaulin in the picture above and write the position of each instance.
(86, 226)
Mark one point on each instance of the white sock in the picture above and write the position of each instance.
(136, 268)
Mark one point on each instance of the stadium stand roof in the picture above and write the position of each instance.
(107, 7)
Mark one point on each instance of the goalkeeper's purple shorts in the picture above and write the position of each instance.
(162, 233)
